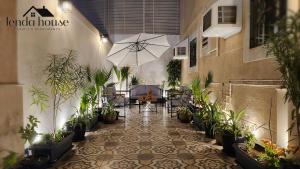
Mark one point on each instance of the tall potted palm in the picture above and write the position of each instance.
(125, 71)
(101, 77)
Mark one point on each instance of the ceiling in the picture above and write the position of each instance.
(132, 16)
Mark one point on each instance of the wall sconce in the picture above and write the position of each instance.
(103, 38)
(65, 5)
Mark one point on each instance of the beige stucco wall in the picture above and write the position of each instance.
(11, 106)
(243, 78)
(35, 45)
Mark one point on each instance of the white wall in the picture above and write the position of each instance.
(35, 45)
(153, 72)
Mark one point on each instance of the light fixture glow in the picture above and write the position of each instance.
(66, 5)
(37, 139)
(103, 38)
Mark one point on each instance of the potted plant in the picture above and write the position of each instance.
(52, 146)
(134, 80)
(285, 46)
(100, 77)
(232, 131)
(64, 77)
(77, 125)
(247, 153)
(211, 118)
(184, 114)
(109, 114)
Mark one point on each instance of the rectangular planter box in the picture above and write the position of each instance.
(53, 151)
(246, 161)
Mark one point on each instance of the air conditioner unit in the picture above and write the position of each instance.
(181, 50)
(223, 19)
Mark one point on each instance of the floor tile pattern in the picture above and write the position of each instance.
(146, 141)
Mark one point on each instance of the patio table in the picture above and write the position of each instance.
(145, 104)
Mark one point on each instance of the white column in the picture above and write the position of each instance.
(282, 119)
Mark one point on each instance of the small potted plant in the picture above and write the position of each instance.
(77, 125)
(109, 114)
(232, 131)
(184, 114)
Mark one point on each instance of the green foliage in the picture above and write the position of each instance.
(109, 113)
(124, 72)
(101, 77)
(10, 161)
(65, 77)
(184, 114)
(209, 79)
(233, 124)
(117, 72)
(250, 139)
(212, 117)
(174, 73)
(134, 80)
(270, 156)
(28, 133)
(285, 46)
(200, 95)
(39, 98)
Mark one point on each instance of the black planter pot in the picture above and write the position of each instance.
(34, 163)
(243, 158)
(54, 151)
(98, 111)
(209, 132)
(118, 113)
(79, 132)
(198, 123)
(228, 141)
(92, 124)
(219, 138)
(285, 165)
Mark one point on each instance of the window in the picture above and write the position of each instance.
(227, 14)
(207, 20)
(32, 14)
(263, 16)
(204, 42)
(181, 51)
(193, 52)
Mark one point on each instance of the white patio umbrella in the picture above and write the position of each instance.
(138, 49)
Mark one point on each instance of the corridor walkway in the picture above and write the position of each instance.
(145, 141)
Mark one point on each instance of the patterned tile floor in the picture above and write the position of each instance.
(145, 141)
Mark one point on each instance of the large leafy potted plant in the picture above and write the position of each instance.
(211, 118)
(64, 77)
(232, 131)
(285, 46)
(200, 99)
(100, 78)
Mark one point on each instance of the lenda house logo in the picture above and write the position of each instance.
(37, 19)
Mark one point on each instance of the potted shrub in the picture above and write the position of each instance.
(109, 114)
(232, 131)
(65, 78)
(247, 153)
(77, 125)
(285, 46)
(53, 146)
(211, 118)
(184, 114)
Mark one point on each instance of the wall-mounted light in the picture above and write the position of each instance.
(65, 5)
(103, 38)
